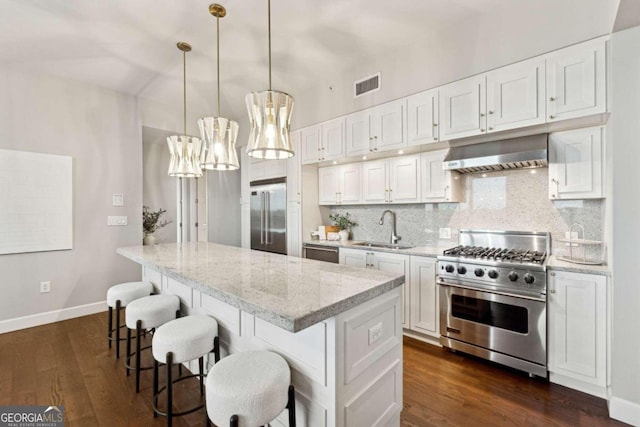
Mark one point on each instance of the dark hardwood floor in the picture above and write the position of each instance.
(68, 363)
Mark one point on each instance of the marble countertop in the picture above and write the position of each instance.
(289, 292)
(436, 249)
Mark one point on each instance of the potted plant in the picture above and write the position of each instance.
(151, 223)
(344, 223)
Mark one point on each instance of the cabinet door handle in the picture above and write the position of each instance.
(490, 127)
(553, 98)
(435, 125)
(481, 114)
(552, 116)
(490, 111)
(481, 130)
(390, 200)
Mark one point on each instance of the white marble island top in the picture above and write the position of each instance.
(289, 292)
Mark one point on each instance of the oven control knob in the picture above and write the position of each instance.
(449, 268)
(479, 272)
(493, 274)
(462, 269)
(529, 279)
(513, 276)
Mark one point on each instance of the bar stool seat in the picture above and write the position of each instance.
(249, 389)
(148, 312)
(118, 297)
(178, 341)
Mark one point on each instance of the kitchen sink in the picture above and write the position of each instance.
(382, 245)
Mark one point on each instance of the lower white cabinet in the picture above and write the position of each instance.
(423, 296)
(294, 229)
(577, 328)
(394, 263)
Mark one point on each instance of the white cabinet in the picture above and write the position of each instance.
(323, 142)
(462, 108)
(396, 180)
(265, 169)
(515, 95)
(576, 81)
(377, 129)
(422, 118)
(394, 263)
(294, 229)
(294, 199)
(340, 184)
(576, 164)
(439, 185)
(423, 296)
(577, 327)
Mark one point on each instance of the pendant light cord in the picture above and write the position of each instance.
(184, 87)
(218, 58)
(269, 25)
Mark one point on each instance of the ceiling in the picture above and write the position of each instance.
(130, 45)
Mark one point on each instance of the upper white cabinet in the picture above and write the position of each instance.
(377, 129)
(576, 164)
(576, 81)
(422, 118)
(462, 108)
(515, 95)
(265, 169)
(439, 185)
(294, 173)
(323, 142)
(396, 180)
(340, 184)
(577, 329)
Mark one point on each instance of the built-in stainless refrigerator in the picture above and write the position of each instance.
(269, 215)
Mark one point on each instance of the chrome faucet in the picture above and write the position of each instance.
(394, 236)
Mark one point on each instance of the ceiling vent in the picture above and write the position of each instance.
(367, 85)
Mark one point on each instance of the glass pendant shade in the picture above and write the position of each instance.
(219, 148)
(270, 120)
(185, 156)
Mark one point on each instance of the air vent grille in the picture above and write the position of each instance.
(367, 85)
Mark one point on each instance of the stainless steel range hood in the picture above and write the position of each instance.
(515, 153)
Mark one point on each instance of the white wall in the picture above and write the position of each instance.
(486, 41)
(100, 129)
(625, 143)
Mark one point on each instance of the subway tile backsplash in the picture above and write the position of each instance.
(506, 200)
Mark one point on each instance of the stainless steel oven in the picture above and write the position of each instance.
(503, 328)
(493, 297)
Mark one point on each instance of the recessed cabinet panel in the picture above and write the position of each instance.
(422, 118)
(332, 144)
(577, 326)
(576, 166)
(328, 185)
(424, 296)
(404, 179)
(515, 95)
(388, 126)
(439, 185)
(353, 257)
(310, 145)
(350, 183)
(357, 133)
(576, 81)
(374, 182)
(462, 108)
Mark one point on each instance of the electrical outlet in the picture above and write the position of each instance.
(117, 200)
(375, 332)
(116, 220)
(445, 233)
(45, 287)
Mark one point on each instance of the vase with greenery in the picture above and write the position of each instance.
(344, 223)
(151, 223)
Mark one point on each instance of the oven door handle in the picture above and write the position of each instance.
(542, 297)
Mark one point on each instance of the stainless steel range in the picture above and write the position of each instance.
(493, 297)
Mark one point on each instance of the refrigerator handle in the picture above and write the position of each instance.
(267, 220)
(262, 218)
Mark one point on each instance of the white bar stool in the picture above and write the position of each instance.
(118, 297)
(148, 312)
(182, 340)
(250, 389)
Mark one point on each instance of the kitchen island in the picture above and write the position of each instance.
(339, 327)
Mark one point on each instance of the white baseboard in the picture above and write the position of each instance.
(51, 316)
(625, 411)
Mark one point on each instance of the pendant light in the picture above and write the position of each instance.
(270, 119)
(185, 150)
(219, 134)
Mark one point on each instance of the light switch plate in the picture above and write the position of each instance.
(117, 200)
(116, 220)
